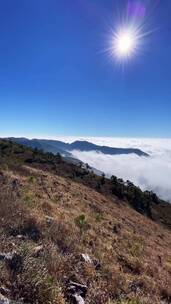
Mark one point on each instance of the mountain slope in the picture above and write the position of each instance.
(45, 145)
(87, 146)
(66, 227)
(146, 202)
(55, 146)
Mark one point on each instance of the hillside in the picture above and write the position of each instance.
(69, 236)
(56, 146)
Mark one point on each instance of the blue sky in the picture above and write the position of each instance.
(55, 77)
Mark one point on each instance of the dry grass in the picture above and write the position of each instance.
(131, 254)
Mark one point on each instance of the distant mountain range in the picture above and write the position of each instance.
(66, 149)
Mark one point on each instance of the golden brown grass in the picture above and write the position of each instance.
(131, 254)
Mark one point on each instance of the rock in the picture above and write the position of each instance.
(21, 237)
(13, 261)
(77, 292)
(77, 288)
(4, 291)
(49, 220)
(78, 299)
(86, 258)
(4, 300)
(37, 251)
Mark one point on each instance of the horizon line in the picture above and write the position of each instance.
(57, 137)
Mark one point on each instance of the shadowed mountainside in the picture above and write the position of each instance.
(87, 146)
(56, 146)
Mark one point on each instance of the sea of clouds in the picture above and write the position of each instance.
(150, 173)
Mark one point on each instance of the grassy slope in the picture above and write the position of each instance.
(146, 203)
(133, 252)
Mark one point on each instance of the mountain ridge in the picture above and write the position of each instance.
(66, 149)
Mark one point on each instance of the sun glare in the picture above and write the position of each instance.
(124, 44)
(129, 36)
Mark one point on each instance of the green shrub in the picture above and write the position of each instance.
(80, 221)
(99, 217)
(32, 179)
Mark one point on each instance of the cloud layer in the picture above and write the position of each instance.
(153, 173)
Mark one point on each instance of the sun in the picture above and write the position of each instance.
(129, 37)
(125, 43)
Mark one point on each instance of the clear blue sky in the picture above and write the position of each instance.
(55, 78)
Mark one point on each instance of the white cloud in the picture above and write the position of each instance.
(153, 173)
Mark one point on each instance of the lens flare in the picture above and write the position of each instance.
(127, 41)
(129, 33)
